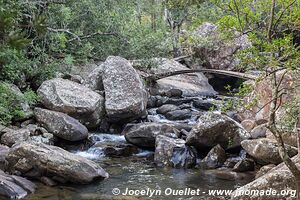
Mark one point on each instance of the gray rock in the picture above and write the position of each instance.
(212, 129)
(73, 99)
(215, 158)
(15, 136)
(289, 138)
(94, 80)
(15, 187)
(3, 152)
(125, 95)
(116, 149)
(190, 84)
(173, 152)
(259, 131)
(203, 105)
(164, 109)
(263, 170)
(144, 134)
(248, 124)
(244, 165)
(38, 159)
(265, 151)
(29, 133)
(179, 114)
(61, 125)
(216, 52)
(279, 178)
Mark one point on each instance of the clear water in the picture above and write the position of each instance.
(135, 173)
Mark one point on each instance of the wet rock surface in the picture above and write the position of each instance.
(173, 152)
(215, 158)
(14, 187)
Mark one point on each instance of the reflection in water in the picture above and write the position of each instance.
(135, 173)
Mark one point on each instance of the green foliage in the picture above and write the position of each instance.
(236, 101)
(7, 100)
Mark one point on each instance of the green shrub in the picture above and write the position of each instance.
(11, 103)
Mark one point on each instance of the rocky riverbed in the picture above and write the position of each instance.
(112, 130)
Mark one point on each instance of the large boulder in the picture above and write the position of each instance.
(212, 129)
(73, 99)
(38, 159)
(144, 134)
(14, 187)
(261, 96)
(173, 152)
(125, 95)
(279, 179)
(190, 84)
(265, 151)
(215, 52)
(61, 125)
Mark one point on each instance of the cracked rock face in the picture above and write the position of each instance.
(125, 95)
(61, 125)
(37, 159)
(212, 129)
(73, 99)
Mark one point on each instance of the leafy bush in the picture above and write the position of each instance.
(11, 103)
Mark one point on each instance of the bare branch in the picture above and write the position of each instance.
(282, 13)
(94, 34)
(64, 31)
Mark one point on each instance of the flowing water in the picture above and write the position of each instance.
(135, 173)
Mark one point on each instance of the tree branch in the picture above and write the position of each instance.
(93, 35)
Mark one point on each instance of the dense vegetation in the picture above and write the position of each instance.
(40, 38)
